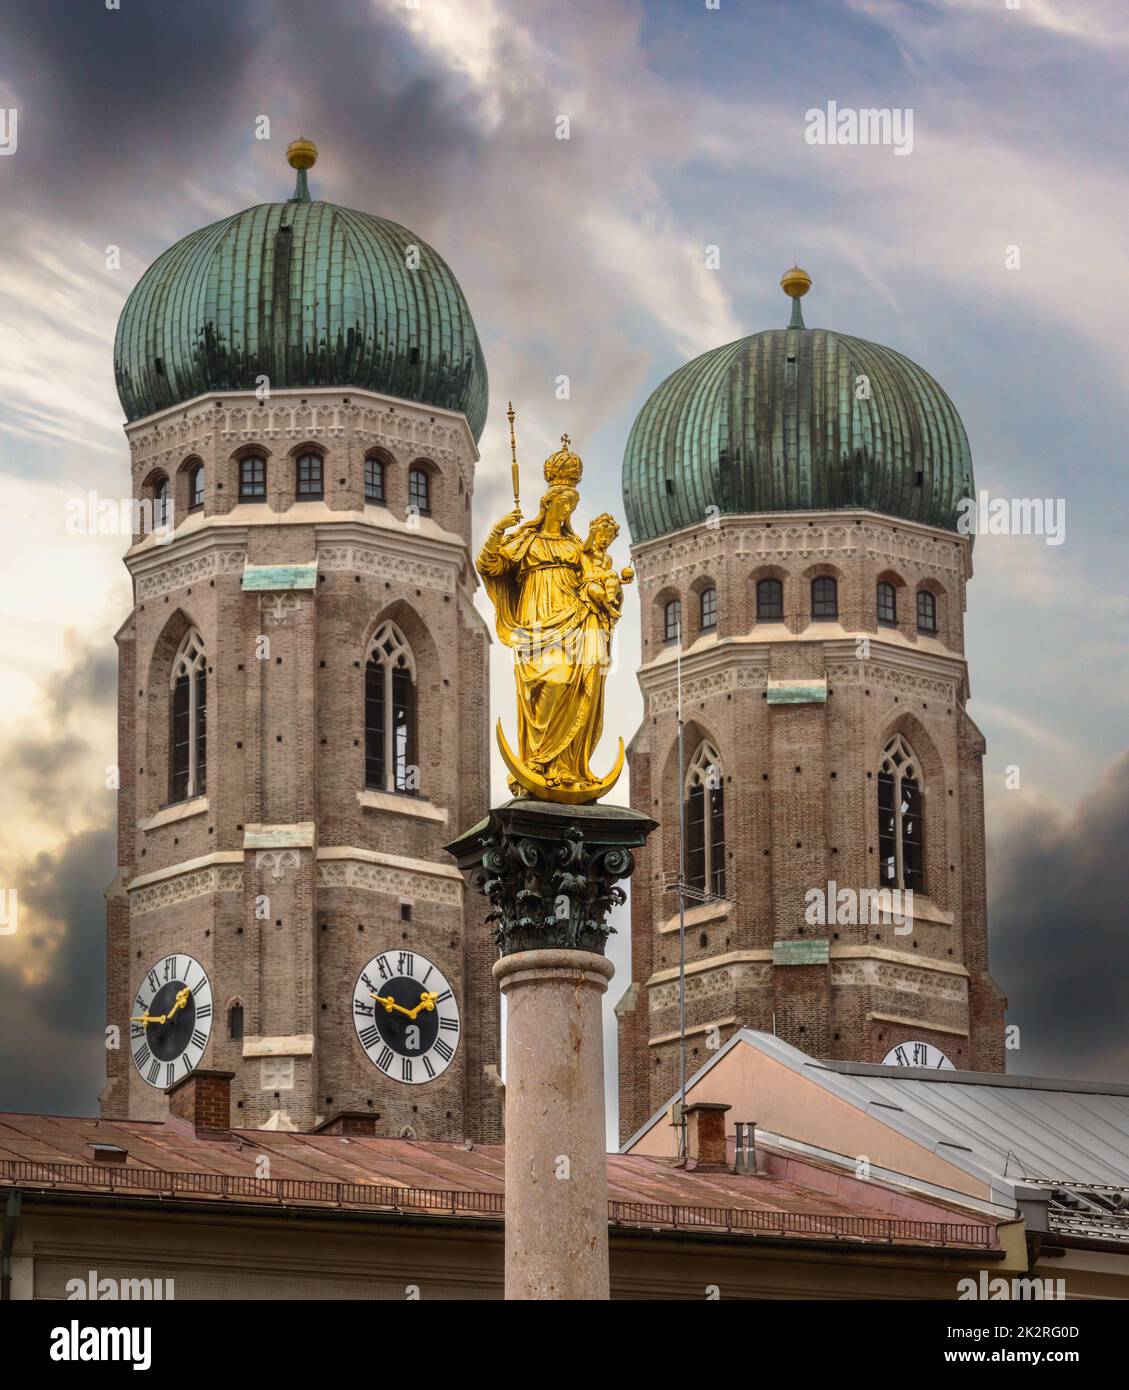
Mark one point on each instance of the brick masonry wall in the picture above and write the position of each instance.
(284, 932)
(801, 801)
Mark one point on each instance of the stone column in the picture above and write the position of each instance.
(551, 873)
(556, 1149)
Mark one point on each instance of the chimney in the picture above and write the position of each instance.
(745, 1147)
(203, 1099)
(357, 1123)
(705, 1134)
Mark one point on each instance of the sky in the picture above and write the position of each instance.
(991, 252)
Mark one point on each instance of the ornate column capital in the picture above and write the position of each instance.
(550, 871)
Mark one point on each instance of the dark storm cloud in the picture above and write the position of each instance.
(100, 92)
(53, 1057)
(120, 107)
(92, 682)
(1060, 947)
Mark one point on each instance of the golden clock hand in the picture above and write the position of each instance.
(149, 1018)
(390, 1004)
(427, 1001)
(181, 1000)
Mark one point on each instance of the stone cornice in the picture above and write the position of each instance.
(235, 417)
(807, 536)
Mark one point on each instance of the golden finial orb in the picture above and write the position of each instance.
(795, 282)
(301, 153)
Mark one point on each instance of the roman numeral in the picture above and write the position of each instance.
(443, 1049)
(170, 1073)
(141, 1056)
(369, 1038)
(900, 1054)
(405, 1068)
(199, 1038)
(154, 983)
(442, 998)
(189, 1065)
(200, 983)
(154, 1072)
(451, 1024)
(425, 979)
(204, 1011)
(170, 968)
(384, 1061)
(428, 1067)
(360, 1007)
(382, 966)
(368, 984)
(406, 963)
(136, 1030)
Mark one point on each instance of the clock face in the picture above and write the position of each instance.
(406, 1016)
(171, 1020)
(917, 1054)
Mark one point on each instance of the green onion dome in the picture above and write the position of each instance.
(306, 294)
(795, 419)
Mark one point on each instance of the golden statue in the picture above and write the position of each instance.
(556, 600)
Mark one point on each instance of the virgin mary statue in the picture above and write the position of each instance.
(556, 600)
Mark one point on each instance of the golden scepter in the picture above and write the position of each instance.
(513, 453)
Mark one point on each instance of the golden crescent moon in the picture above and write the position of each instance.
(567, 796)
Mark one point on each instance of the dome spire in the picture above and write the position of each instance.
(301, 154)
(795, 283)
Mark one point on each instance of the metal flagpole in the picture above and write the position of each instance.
(681, 911)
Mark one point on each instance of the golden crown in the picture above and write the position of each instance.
(564, 466)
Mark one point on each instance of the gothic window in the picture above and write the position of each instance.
(196, 487)
(311, 483)
(705, 822)
(709, 609)
(252, 478)
(901, 840)
(235, 1022)
(926, 611)
(419, 491)
(374, 480)
(887, 603)
(770, 599)
(672, 621)
(824, 597)
(391, 714)
(160, 502)
(188, 764)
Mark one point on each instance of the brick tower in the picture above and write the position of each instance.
(793, 501)
(303, 681)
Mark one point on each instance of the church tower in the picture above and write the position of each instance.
(793, 500)
(303, 681)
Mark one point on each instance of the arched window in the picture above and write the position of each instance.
(252, 478)
(374, 480)
(887, 603)
(188, 765)
(770, 599)
(926, 611)
(419, 491)
(160, 502)
(709, 609)
(672, 621)
(235, 1022)
(391, 714)
(196, 487)
(901, 830)
(824, 597)
(311, 480)
(705, 822)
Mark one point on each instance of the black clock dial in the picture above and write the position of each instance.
(406, 1016)
(171, 1020)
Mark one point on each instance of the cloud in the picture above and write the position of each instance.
(1059, 948)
